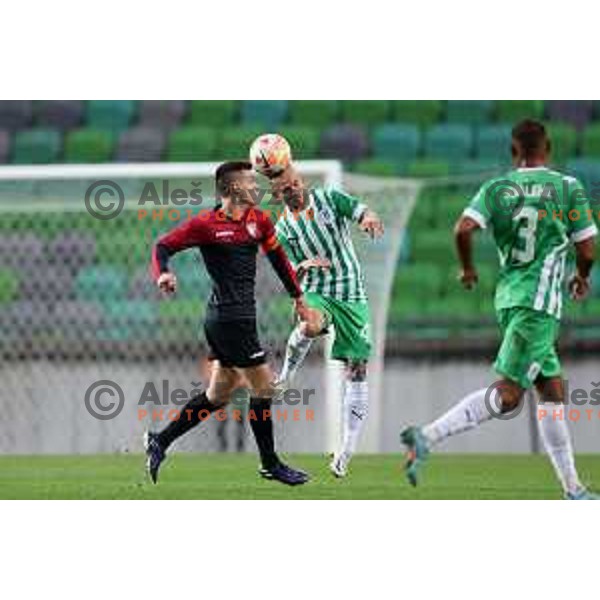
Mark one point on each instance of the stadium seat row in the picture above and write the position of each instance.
(393, 144)
(117, 115)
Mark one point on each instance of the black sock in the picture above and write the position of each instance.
(262, 428)
(192, 413)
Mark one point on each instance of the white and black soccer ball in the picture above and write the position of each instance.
(270, 154)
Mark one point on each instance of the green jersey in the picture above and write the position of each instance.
(322, 230)
(534, 213)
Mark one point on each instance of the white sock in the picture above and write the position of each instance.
(356, 411)
(469, 413)
(295, 353)
(555, 436)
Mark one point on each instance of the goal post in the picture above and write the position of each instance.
(77, 241)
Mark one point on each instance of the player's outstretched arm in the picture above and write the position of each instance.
(463, 236)
(353, 209)
(579, 285)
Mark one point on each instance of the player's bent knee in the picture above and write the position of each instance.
(511, 395)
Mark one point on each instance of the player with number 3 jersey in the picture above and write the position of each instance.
(534, 214)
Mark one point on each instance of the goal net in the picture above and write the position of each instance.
(91, 355)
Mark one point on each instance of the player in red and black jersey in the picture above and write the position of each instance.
(228, 238)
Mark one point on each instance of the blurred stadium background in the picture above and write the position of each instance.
(76, 303)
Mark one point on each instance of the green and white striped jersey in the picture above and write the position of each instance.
(322, 230)
(534, 214)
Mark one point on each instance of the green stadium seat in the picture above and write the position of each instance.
(376, 167)
(405, 305)
(180, 310)
(111, 115)
(192, 144)
(564, 142)
(449, 142)
(304, 140)
(235, 142)
(364, 112)
(101, 284)
(456, 305)
(445, 211)
(193, 280)
(474, 112)
(213, 113)
(267, 114)
(511, 111)
(36, 147)
(129, 320)
(89, 146)
(125, 247)
(433, 246)
(426, 167)
(5, 142)
(484, 309)
(493, 142)
(591, 307)
(423, 213)
(59, 114)
(317, 113)
(587, 171)
(420, 282)
(9, 285)
(488, 275)
(480, 166)
(396, 142)
(573, 310)
(590, 140)
(595, 280)
(181, 319)
(420, 112)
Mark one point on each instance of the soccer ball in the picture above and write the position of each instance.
(270, 154)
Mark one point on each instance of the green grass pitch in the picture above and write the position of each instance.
(230, 476)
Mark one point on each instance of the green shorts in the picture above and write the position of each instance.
(528, 346)
(351, 321)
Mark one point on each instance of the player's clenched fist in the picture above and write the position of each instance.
(371, 223)
(301, 308)
(469, 278)
(579, 286)
(167, 283)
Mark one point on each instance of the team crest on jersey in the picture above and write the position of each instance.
(252, 229)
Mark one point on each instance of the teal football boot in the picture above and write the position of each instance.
(417, 452)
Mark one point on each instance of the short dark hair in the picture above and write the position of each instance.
(225, 172)
(529, 138)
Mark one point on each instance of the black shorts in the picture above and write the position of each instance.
(234, 343)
